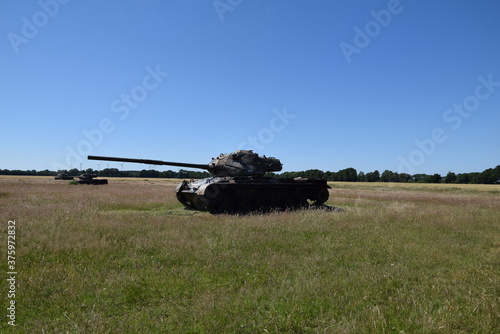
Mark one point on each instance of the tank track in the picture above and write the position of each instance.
(240, 195)
(95, 182)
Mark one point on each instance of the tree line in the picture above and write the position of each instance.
(488, 176)
(114, 172)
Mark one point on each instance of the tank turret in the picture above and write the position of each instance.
(238, 184)
(243, 163)
(87, 178)
(239, 163)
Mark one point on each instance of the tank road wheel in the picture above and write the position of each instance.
(213, 193)
(198, 203)
(226, 206)
(300, 198)
(322, 196)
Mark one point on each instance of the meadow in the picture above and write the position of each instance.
(127, 258)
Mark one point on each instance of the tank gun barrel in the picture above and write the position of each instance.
(149, 162)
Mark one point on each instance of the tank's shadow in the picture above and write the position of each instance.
(312, 207)
(324, 207)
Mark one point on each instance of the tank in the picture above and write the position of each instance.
(63, 176)
(238, 185)
(87, 178)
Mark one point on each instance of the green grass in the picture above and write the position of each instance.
(126, 258)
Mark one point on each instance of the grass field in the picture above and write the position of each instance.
(126, 258)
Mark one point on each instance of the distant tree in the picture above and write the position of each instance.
(134, 173)
(464, 178)
(389, 176)
(491, 176)
(168, 174)
(404, 177)
(197, 175)
(314, 173)
(488, 176)
(420, 178)
(385, 176)
(45, 172)
(74, 172)
(349, 174)
(334, 176)
(497, 173)
(288, 175)
(346, 175)
(183, 174)
(450, 178)
(110, 172)
(478, 178)
(149, 173)
(435, 178)
(373, 176)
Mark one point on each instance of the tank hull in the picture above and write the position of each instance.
(251, 193)
(93, 181)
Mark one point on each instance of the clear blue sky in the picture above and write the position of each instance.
(409, 86)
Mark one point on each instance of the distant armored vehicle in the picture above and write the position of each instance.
(88, 178)
(63, 176)
(238, 185)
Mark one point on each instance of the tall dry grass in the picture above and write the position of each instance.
(127, 258)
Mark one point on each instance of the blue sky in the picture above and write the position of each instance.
(409, 86)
